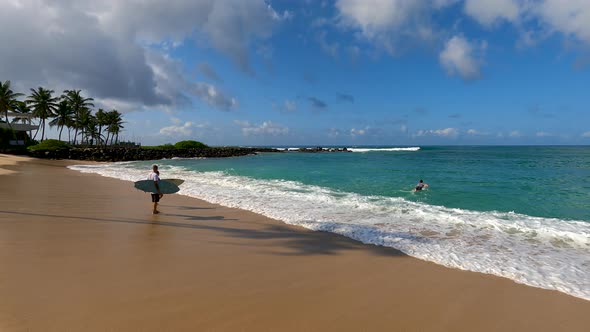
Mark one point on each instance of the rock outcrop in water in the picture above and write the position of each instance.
(136, 153)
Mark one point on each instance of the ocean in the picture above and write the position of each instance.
(519, 212)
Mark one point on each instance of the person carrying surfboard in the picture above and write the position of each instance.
(155, 176)
(421, 185)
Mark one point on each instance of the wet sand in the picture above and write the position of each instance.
(80, 252)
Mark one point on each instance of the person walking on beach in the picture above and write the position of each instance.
(421, 185)
(155, 176)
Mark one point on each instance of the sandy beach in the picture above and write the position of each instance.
(81, 252)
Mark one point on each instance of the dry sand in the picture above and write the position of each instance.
(81, 252)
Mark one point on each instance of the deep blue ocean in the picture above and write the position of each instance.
(518, 212)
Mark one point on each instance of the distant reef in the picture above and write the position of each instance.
(137, 153)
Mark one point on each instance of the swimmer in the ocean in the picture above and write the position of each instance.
(420, 186)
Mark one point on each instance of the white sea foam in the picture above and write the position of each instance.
(414, 148)
(542, 252)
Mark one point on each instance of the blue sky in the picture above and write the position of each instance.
(344, 72)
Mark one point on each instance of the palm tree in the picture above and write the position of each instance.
(77, 103)
(7, 99)
(92, 131)
(101, 119)
(22, 108)
(114, 124)
(43, 105)
(63, 117)
(85, 119)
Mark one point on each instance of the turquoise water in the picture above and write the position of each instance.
(518, 212)
(536, 181)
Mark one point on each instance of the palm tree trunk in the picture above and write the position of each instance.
(62, 128)
(43, 132)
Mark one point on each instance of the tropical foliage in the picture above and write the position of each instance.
(8, 99)
(50, 144)
(189, 145)
(71, 111)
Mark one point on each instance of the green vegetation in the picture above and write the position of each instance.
(189, 145)
(6, 135)
(49, 145)
(178, 145)
(71, 110)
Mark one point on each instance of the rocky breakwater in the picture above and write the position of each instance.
(135, 153)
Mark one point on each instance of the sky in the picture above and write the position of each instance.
(291, 73)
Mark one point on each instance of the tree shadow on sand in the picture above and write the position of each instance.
(298, 241)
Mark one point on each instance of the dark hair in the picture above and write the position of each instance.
(421, 181)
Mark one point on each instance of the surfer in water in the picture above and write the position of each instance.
(155, 176)
(420, 186)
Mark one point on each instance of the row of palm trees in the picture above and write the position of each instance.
(70, 110)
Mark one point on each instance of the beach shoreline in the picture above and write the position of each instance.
(83, 252)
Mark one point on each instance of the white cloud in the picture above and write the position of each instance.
(473, 132)
(214, 97)
(178, 129)
(571, 17)
(115, 49)
(358, 132)
(458, 58)
(543, 134)
(390, 24)
(265, 128)
(375, 16)
(447, 132)
(586, 134)
(515, 133)
(290, 106)
(488, 12)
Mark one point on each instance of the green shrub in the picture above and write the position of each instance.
(189, 145)
(6, 135)
(49, 144)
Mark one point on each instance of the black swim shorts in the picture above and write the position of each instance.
(155, 198)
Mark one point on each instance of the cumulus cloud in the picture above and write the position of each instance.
(515, 133)
(214, 97)
(543, 134)
(586, 134)
(373, 17)
(447, 132)
(459, 57)
(266, 128)
(391, 24)
(114, 49)
(488, 12)
(180, 129)
(570, 17)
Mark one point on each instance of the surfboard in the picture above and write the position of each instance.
(177, 182)
(166, 187)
